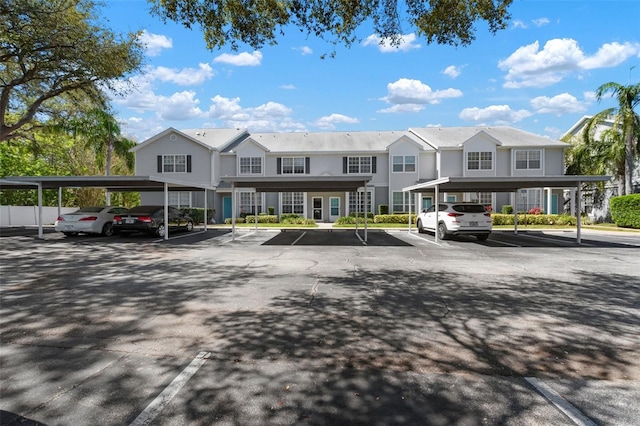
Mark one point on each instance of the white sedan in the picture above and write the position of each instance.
(89, 220)
(456, 219)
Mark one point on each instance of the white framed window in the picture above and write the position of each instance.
(250, 165)
(174, 163)
(400, 202)
(293, 165)
(404, 163)
(358, 165)
(356, 201)
(180, 199)
(247, 203)
(527, 199)
(292, 202)
(479, 160)
(529, 159)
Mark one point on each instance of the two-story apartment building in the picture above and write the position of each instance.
(388, 160)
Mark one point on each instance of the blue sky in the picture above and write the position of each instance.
(539, 75)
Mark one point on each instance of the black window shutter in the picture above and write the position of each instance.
(344, 165)
(159, 163)
(307, 165)
(188, 164)
(279, 165)
(373, 164)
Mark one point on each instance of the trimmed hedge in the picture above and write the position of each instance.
(625, 210)
(262, 218)
(534, 219)
(197, 214)
(394, 218)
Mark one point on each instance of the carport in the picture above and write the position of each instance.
(297, 184)
(506, 184)
(110, 183)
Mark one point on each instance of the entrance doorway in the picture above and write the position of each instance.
(334, 208)
(316, 203)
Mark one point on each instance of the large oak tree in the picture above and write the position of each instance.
(51, 48)
(259, 22)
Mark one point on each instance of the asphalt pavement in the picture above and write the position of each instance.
(315, 327)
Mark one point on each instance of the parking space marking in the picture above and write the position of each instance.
(425, 239)
(561, 404)
(299, 238)
(156, 406)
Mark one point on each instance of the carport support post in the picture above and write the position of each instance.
(437, 209)
(59, 201)
(579, 213)
(255, 211)
(233, 211)
(410, 195)
(166, 211)
(366, 212)
(40, 232)
(515, 213)
(204, 227)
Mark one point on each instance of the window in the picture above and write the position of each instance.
(356, 201)
(401, 202)
(292, 202)
(528, 160)
(480, 160)
(247, 203)
(293, 165)
(250, 165)
(180, 199)
(174, 163)
(406, 163)
(355, 165)
(527, 199)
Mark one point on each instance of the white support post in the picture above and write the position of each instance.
(59, 201)
(40, 230)
(166, 211)
(233, 211)
(579, 213)
(204, 226)
(366, 212)
(515, 213)
(255, 210)
(410, 194)
(437, 209)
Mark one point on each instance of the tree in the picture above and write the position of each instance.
(616, 148)
(51, 48)
(258, 22)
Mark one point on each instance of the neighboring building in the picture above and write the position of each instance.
(594, 199)
(394, 159)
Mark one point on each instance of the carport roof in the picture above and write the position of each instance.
(298, 183)
(504, 183)
(112, 183)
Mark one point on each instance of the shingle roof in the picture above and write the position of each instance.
(215, 138)
(449, 137)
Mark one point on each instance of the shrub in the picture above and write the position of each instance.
(271, 210)
(507, 209)
(361, 214)
(394, 218)
(529, 219)
(238, 220)
(262, 218)
(197, 214)
(536, 211)
(625, 210)
(383, 209)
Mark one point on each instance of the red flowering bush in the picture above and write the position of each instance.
(536, 210)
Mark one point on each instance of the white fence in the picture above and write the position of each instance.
(28, 215)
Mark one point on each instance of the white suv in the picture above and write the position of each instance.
(455, 219)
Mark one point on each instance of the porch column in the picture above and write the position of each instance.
(549, 205)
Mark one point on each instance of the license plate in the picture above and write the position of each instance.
(129, 221)
(473, 223)
(68, 227)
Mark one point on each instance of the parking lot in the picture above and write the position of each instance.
(316, 327)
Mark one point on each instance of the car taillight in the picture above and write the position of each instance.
(60, 218)
(487, 214)
(145, 219)
(455, 214)
(89, 218)
(117, 218)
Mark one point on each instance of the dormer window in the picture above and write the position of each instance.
(482, 160)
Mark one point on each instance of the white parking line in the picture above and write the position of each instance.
(170, 391)
(562, 404)
(299, 238)
(425, 239)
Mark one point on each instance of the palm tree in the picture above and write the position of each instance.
(617, 147)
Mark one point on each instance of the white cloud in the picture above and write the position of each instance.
(179, 106)
(517, 23)
(529, 66)
(154, 43)
(288, 87)
(271, 116)
(452, 71)
(304, 50)
(385, 45)
(243, 59)
(498, 114)
(402, 108)
(540, 22)
(328, 122)
(408, 91)
(558, 105)
(183, 77)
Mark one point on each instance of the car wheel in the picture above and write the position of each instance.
(442, 231)
(70, 234)
(189, 226)
(107, 229)
(482, 237)
(161, 231)
(420, 228)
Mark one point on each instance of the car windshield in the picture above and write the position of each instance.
(90, 210)
(469, 208)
